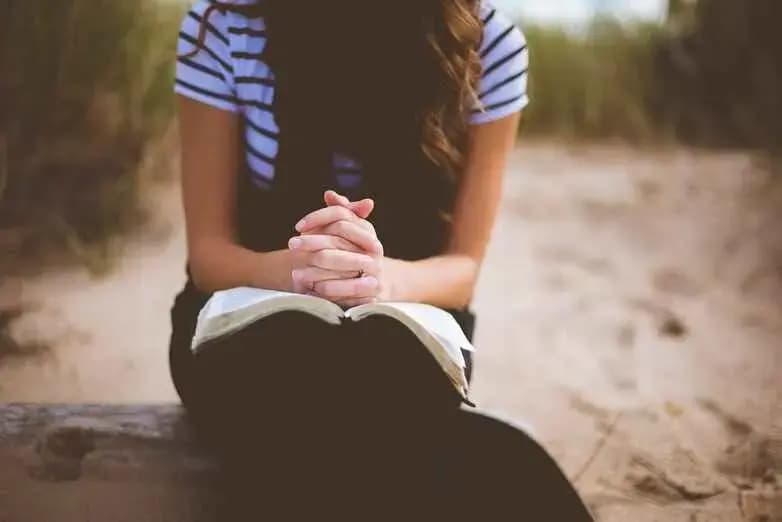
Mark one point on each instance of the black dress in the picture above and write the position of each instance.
(357, 421)
(298, 398)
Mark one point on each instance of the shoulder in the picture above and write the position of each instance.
(214, 41)
(505, 61)
(500, 35)
(228, 22)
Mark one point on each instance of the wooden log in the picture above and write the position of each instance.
(143, 463)
(103, 463)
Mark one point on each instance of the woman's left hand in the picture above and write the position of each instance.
(343, 220)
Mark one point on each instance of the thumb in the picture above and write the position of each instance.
(361, 208)
(334, 199)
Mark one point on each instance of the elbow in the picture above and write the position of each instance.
(201, 277)
(201, 271)
(462, 303)
(471, 271)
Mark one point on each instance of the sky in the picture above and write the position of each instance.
(574, 11)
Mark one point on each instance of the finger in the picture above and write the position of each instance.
(324, 217)
(343, 261)
(363, 223)
(334, 198)
(361, 208)
(356, 234)
(307, 277)
(315, 242)
(358, 288)
(350, 303)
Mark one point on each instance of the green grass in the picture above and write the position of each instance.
(90, 90)
(593, 85)
(712, 76)
(721, 75)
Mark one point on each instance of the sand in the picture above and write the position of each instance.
(630, 316)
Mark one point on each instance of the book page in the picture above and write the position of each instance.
(434, 327)
(231, 310)
(436, 320)
(237, 298)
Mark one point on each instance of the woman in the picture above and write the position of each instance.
(353, 150)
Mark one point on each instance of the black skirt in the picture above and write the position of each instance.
(344, 344)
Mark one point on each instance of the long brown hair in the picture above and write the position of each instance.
(450, 33)
(455, 40)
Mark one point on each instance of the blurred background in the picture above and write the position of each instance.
(630, 309)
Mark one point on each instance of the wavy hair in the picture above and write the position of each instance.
(454, 39)
(441, 38)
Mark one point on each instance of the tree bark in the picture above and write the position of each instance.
(103, 463)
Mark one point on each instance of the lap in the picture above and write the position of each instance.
(312, 407)
(366, 344)
(291, 364)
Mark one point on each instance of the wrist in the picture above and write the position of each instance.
(272, 270)
(396, 279)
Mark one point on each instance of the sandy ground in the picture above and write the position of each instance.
(630, 314)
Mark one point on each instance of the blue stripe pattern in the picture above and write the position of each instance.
(229, 74)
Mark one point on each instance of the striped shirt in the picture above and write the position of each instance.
(228, 73)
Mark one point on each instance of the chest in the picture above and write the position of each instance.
(254, 84)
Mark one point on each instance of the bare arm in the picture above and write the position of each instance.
(449, 280)
(211, 149)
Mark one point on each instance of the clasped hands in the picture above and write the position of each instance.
(337, 255)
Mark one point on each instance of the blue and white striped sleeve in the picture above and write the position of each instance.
(502, 90)
(207, 75)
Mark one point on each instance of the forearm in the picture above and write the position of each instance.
(447, 281)
(219, 265)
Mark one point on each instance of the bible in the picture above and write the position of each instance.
(230, 311)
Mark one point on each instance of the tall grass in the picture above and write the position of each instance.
(711, 76)
(85, 87)
(721, 74)
(596, 84)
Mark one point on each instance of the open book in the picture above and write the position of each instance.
(232, 310)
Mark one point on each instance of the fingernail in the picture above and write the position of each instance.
(371, 282)
(300, 225)
(294, 243)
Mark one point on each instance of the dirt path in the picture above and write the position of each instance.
(103, 339)
(630, 315)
